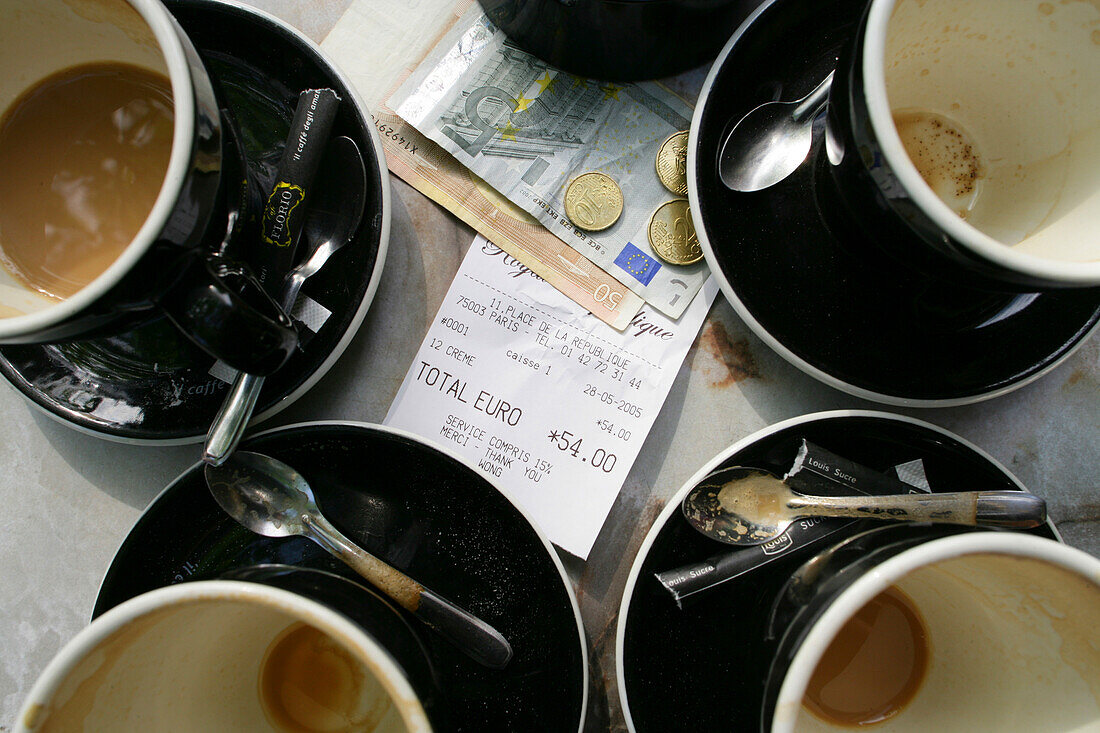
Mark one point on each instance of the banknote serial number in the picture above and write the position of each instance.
(562, 221)
(389, 132)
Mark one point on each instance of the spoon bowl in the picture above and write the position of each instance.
(751, 506)
(270, 498)
(771, 141)
(265, 496)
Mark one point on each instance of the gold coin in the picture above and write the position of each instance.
(672, 234)
(593, 201)
(672, 163)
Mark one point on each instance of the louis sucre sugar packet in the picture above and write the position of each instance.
(813, 471)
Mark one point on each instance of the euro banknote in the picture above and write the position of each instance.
(528, 129)
(378, 43)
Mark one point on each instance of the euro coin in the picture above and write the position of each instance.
(593, 201)
(672, 163)
(672, 234)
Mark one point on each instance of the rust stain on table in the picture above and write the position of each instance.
(734, 357)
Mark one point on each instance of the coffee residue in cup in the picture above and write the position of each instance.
(83, 155)
(944, 155)
(874, 666)
(309, 682)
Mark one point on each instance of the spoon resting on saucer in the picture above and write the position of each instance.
(751, 506)
(272, 499)
(771, 141)
(330, 223)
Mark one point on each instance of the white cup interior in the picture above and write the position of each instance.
(189, 657)
(1022, 79)
(41, 38)
(1012, 627)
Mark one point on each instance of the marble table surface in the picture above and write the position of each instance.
(69, 499)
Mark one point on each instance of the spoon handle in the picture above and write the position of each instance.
(236, 410)
(480, 641)
(229, 424)
(985, 508)
(814, 100)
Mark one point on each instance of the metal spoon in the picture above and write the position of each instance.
(750, 506)
(272, 499)
(330, 223)
(770, 142)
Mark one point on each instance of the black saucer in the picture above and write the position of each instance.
(429, 515)
(807, 281)
(151, 384)
(704, 667)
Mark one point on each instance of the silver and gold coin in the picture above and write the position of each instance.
(672, 234)
(672, 163)
(593, 201)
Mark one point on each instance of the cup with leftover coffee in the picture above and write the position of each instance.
(977, 630)
(964, 139)
(227, 655)
(120, 185)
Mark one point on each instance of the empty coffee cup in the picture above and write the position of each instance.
(223, 655)
(117, 185)
(965, 138)
(975, 631)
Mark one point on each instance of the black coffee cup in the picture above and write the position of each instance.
(620, 40)
(962, 138)
(175, 265)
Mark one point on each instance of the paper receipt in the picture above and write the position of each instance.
(547, 401)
